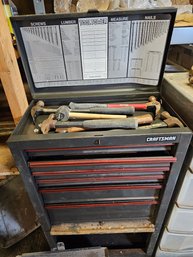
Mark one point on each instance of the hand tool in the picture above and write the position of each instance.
(70, 130)
(38, 109)
(64, 114)
(137, 106)
(129, 123)
(168, 122)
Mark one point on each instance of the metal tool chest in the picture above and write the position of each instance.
(104, 181)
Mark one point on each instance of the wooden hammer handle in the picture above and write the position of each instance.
(69, 130)
(92, 116)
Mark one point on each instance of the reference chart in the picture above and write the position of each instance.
(96, 51)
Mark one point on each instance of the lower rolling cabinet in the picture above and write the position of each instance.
(85, 189)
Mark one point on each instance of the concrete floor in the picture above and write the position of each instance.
(35, 242)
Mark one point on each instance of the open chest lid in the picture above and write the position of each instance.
(94, 54)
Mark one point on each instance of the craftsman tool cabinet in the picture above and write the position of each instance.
(103, 181)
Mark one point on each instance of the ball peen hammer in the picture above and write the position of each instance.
(138, 106)
(121, 109)
(64, 113)
(129, 123)
(38, 109)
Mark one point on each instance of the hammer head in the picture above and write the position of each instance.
(36, 109)
(48, 124)
(63, 113)
(171, 121)
(153, 102)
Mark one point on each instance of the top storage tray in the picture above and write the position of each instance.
(94, 52)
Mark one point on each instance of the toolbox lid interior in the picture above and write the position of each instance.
(85, 55)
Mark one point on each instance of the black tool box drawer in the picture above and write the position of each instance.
(96, 149)
(116, 210)
(100, 193)
(99, 180)
(103, 162)
(102, 170)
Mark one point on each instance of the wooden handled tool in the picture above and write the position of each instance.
(129, 123)
(64, 114)
(115, 108)
(69, 130)
(38, 109)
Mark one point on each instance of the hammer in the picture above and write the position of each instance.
(64, 113)
(168, 122)
(128, 109)
(38, 109)
(138, 106)
(129, 123)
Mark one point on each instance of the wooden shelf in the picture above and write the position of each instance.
(116, 227)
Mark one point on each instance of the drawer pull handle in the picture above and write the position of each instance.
(130, 178)
(142, 160)
(99, 171)
(101, 188)
(75, 206)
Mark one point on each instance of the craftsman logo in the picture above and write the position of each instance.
(161, 139)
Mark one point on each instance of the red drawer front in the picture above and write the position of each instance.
(99, 149)
(95, 205)
(93, 162)
(100, 171)
(100, 188)
(96, 180)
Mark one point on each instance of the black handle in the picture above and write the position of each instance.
(130, 123)
(126, 111)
